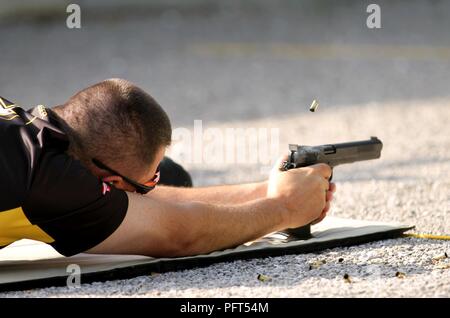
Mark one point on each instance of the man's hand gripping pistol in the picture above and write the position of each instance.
(332, 155)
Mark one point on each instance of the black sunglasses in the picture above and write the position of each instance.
(140, 188)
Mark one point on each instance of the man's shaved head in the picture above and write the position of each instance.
(115, 122)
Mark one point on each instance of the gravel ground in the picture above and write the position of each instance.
(371, 268)
(400, 96)
(409, 185)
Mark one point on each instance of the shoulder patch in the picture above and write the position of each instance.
(42, 111)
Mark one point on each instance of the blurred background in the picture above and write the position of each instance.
(235, 63)
(225, 60)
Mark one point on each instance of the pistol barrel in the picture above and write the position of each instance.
(336, 154)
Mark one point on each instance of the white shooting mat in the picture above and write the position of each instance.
(28, 264)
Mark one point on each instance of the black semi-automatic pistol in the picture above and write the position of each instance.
(333, 155)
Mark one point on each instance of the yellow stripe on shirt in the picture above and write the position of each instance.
(14, 226)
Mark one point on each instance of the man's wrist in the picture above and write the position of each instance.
(261, 189)
(277, 211)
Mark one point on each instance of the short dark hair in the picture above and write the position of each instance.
(116, 122)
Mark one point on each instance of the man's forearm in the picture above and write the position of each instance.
(224, 194)
(160, 228)
(215, 227)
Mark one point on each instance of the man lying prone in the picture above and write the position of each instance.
(91, 176)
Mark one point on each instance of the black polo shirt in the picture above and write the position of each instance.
(45, 194)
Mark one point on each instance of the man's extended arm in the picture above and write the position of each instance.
(223, 194)
(158, 227)
(164, 228)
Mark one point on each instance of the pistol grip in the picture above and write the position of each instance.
(301, 233)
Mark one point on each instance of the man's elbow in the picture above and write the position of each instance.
(175, 243)
(184, 235)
